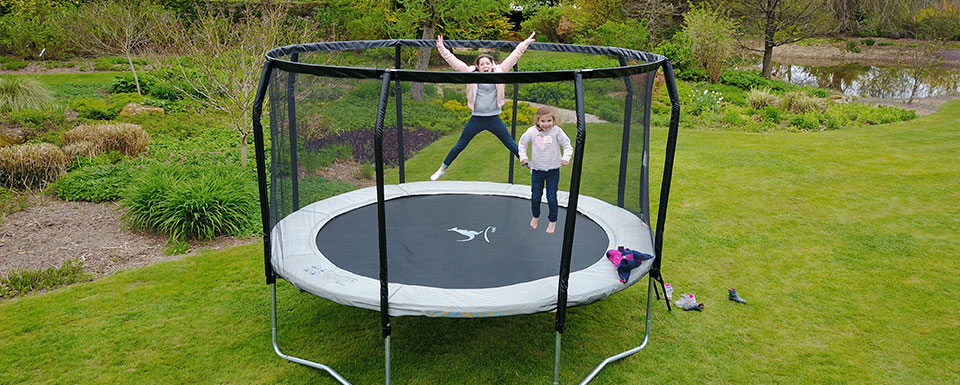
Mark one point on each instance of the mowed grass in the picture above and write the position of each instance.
(68, 86)
(845, 244)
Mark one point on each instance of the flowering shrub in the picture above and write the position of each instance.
(361, 142)
(706, 101)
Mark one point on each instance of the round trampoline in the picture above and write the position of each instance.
(456, 249)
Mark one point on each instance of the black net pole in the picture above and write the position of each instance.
(645, 161)
(513, 127)
(381, 210)
(667, 169)
(625, 146)
(275, 186)
(262, 167)
(571, 220)
(398, 96)
(292, 118)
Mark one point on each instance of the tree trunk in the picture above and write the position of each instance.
(767, 59)
(917, 76)
(243, 151)
(770, 30)
(136, 80)
(423, 59)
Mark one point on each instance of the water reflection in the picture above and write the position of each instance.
(856, 79)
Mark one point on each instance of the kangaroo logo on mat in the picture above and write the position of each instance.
(470, 234)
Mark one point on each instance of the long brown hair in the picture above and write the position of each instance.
(476, 63)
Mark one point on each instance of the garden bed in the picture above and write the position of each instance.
(50, 232)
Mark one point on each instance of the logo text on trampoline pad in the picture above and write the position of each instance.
(470, 234)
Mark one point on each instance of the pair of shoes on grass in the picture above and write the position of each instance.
(688, 302)
(684, 299)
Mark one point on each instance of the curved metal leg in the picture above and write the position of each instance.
(646, 338)
(276, 347)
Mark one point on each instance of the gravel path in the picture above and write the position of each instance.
(562, 115)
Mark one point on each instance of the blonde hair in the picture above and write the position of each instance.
(543, 111)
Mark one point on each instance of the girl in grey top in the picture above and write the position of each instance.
(484, 99)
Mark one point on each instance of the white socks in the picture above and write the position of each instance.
(438, 174)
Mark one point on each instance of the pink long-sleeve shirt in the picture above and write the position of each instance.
(545, 147)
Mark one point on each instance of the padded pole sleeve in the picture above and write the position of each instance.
(645, 160)
(262, 168)
(667, 162)
(381, 211)
(513, 126)
(292, 118)
(625, 146)
(398, 96)
(571, 220)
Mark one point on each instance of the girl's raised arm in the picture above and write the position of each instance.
(508, 63)
(450, 58)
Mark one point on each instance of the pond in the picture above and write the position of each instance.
(871, 81)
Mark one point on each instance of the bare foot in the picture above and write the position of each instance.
(551, 227)
(534, 222)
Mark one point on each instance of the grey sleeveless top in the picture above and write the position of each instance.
(486, 102)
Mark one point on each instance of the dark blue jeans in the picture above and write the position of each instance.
(480, 123)
(552, 179)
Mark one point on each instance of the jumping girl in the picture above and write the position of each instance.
(484, 100)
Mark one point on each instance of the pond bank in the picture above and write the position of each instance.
(833, 53)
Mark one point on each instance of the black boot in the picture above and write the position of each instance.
(736, 298)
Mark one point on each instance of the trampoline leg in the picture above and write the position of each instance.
(646, 338)
(386, 348)
(276, 346)
(556, 363)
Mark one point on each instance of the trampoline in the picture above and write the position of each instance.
(452, 248)
(512, 268)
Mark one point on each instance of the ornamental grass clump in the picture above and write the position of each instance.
(758, 98)
(798, 102)
(21, 93)
(193, 202)
(30, 166)
(94, 139)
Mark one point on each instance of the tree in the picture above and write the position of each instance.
(123, 27)
(219, 60)
(713, 42)
(659, 15)
(845, 12)
(924, 57)
(428, 15)
(886, 17)
(780, 22)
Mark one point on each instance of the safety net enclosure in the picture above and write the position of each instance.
(342, 112)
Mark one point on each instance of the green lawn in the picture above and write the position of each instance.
(66, 87)
(845, 244)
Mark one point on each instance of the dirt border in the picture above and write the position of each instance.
(49, 232)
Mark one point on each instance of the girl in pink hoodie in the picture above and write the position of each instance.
(484, 100)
